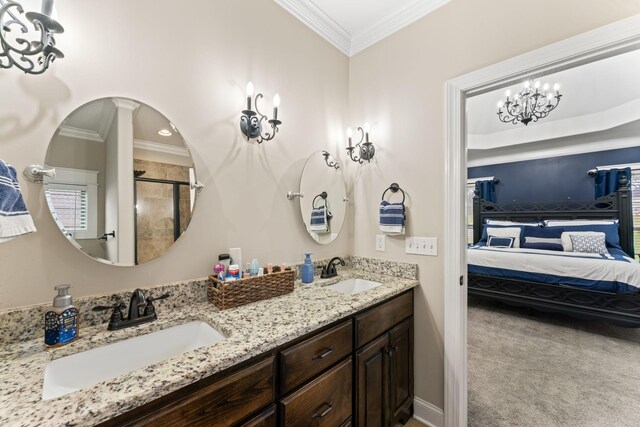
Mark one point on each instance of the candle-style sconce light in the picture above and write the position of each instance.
(366, 150)
(251, 121)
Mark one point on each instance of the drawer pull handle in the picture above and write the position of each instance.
(323, 355)
(323, 413)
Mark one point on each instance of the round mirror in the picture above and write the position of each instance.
(124, 188)
(324, 204)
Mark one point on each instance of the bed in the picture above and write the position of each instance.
(590, 286)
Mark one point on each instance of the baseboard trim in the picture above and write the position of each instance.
(427, 413)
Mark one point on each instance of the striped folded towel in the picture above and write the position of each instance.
(392, 217)
(320, 218)
(14, 216)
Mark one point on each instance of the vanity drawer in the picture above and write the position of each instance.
(374, 322)
(265, 419)
(223, 403)
(312, 356)
(326, 401)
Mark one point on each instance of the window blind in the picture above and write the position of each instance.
(635, 203)
(70, 207)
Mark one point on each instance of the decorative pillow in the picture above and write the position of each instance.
(608, 227)
(543, 245)
(505, 232)
(500, 242)
(505, 224)
(542, 235)
(566, 238)
(589, 243)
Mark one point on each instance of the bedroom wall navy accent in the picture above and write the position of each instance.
(555, 178)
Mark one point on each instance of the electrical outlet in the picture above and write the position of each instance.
(380, 242)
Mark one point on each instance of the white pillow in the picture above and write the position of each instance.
(578, 222)
(507, 223)
(567, 246)
(506, 232)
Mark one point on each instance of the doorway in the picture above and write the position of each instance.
(603, 42)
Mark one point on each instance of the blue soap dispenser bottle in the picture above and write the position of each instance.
(61, 321)
(307, 269)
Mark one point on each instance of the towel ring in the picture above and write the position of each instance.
(394, 188)
(323, 196)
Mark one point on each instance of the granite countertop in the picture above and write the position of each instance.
(250, 330)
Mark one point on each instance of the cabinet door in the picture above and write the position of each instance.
(372, 368)
(401, 371)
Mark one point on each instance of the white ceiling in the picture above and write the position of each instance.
(599, 96)
(353, 25)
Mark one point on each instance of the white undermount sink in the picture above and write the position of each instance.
(85, 369)
(353, 286)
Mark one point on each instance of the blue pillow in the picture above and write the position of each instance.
(500, 242)
(612, 237)
(543, 245)
(544, 232)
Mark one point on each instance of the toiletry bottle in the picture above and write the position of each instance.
(61, 321)
(307, 269)
(255, 267)
(225, 261)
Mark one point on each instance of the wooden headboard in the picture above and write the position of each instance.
(615, 205)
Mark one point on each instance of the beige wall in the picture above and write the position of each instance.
(398, 86)
(192, 63)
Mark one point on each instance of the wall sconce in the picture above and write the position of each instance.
(330, 163)
(251, 121)
(26, 39)
(366, 148)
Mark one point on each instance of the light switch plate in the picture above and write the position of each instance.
(380, 242)
(421, 246)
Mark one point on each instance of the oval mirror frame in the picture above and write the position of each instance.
(324, 205)
(125, 187)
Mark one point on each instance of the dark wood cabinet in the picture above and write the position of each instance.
(325, 401)
(372, 365)
(384, 367)
(264, 419)
(316, 380)
(307, 359)
(401, 372)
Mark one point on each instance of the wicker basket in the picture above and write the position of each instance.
(226, 295)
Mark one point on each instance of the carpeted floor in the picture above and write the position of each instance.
(536, 369)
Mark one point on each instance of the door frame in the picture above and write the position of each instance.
(602, 42)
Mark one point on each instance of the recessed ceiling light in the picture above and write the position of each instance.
(164, 132)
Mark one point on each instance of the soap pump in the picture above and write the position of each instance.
(61, 321)
(307, 269)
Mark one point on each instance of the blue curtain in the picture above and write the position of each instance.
(607, 182)
(486, 190)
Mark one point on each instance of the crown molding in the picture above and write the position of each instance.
(350, 44)
(106, 121)
(588, 147)
(316, 19)
(161, 148)
(393, 23)
(79, 133)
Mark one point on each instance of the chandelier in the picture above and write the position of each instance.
(532, 103)
(26, 39)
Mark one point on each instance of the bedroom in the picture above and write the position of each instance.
(543, 192)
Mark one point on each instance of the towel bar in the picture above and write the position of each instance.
(291, 195)
(36, 173)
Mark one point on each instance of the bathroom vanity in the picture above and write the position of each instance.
(326, 354)
(356, 371)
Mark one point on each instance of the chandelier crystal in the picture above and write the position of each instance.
(531, 104)
(27, 39)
